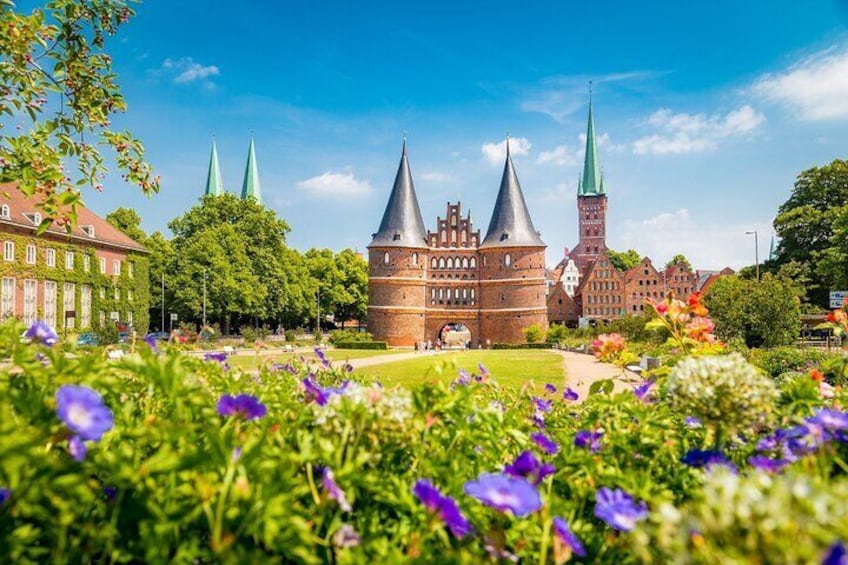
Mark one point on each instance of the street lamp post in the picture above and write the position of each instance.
(756, 251)
(204, 298)
(163, 301)
(318, 312)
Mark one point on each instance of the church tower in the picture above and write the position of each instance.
(250, 186)
(591, 203)
(214, 184)
(512, 272)
(397, 266)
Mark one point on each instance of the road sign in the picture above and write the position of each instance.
(173, 317)
(837, 298)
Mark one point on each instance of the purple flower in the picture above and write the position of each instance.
(110, 492)
(545, 443)
(348, 368)
(499, 553)
(464, 379)
(435, 501)
(427, 494)
(642, 390)
(483, 370)
(567, 537)
(836, 555)
(321, 395)
(550, 388)
(692, 422)
(570, 394)
(529, 467)
(5, 494)
(242, 406)
(588, 440)
(346, 536)
(41, 332)
(767, 463)
(618, 509)
(333, 490)
(538, 419)
(83, 411)
(321, 357)
(77, 448)
(706, 458)
(217, 357)
(829, 419)
(235, 455)
(541, 404)
(503, 493)
(150, 340)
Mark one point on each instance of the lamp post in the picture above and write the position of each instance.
(163, 301)
(756, 251)
(204, 298)
(318, 312)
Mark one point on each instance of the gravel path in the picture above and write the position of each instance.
(582, 370)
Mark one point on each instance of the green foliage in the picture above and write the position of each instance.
(56, 75)
(556, 333)
(107, 333)
(679, 258)
(533, 334)
(529, 345)
(812, 227)
(361, 345)
(342, 279)
(764, 314)
(174, 481)
(779, 360)
(340, 336)
(251, 334)
(291, 335)
(625, 260)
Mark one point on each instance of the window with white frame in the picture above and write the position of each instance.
(103, 265)
(30, 254)
(85, 306)
(50, 291)
(50, 257)
(30, 297)
(8, 250)
(5, 213)
(131, 269)
(117, 293)
(102, 318)
(86, 263)
(69, 301)
(7, 304)
(130, 294)
(102, 292)
(69, 260)
(116, 266)
(129, 318)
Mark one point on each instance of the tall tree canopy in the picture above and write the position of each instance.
(811, 227)
(56, 79)
(679, 258)
(624, 260)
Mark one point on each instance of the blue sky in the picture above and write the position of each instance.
(706, 113)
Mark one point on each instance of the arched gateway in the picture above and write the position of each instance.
(455, 335)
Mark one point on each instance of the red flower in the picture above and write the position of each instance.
(816, 375)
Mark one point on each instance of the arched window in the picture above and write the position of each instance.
(453, 219)
(415, 258)
(596, 231)
(464, 239)
(434, 263)
(444, 237)
(441, 293)
(464, 293)
(441, 262)
(453, 237)
(386, 258)
(465, 262)
(472, 263)
(507, 260)
(450, 262)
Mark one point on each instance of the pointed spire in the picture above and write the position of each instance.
(214, 184)
(402, 224)
(591, 183)
(772, 250)
(511, 225)
(250, 187)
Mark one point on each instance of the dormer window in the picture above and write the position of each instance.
(36, 219)
(396, 237)
(504, 236)
(5, 212)
(89, 230)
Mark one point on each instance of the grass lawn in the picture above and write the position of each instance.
(512, 368)
(253, 361)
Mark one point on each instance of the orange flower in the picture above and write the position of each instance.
(816, 375)
(608, 346)
(696, 306)
(701, 329)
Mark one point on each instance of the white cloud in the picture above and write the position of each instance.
(692, 133)
(436, 176)
(185, 70)
(816, 87)
(335, 184)
(712, 245)
(495, 153)
(561, 155)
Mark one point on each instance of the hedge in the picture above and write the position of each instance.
(522, 346)
(362, 345)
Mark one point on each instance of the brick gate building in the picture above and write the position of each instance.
(423, 285)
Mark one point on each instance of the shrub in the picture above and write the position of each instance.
(779, 360)
(361, 345)
(291, 335)
(347, 336)
(533, 334)
(107, 334)
(543, 345)
(556, 333)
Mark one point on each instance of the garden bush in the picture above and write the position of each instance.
(533, 333)
(160, 457)
(779, 360)
(362, 345)
(346, 336)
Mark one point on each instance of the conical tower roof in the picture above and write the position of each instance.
(511, 225)
(214, 184)
(250, 187)
(402, 224)
(591, 183)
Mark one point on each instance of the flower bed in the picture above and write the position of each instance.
(162, 457)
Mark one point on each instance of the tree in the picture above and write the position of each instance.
(354, 271)
(624, 261)
(679, 258)
(128, 221)
(808, 224)
(763, 314)
(56, 74)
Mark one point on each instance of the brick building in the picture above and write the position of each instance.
(78, 280)
(450, 285)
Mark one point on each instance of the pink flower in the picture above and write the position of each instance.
(608, 346)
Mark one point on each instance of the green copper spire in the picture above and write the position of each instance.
(591, 184)
(772, 250)
(214, 185)
(251, 177)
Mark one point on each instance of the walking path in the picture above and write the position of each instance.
(582, 370)
(380, 359)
